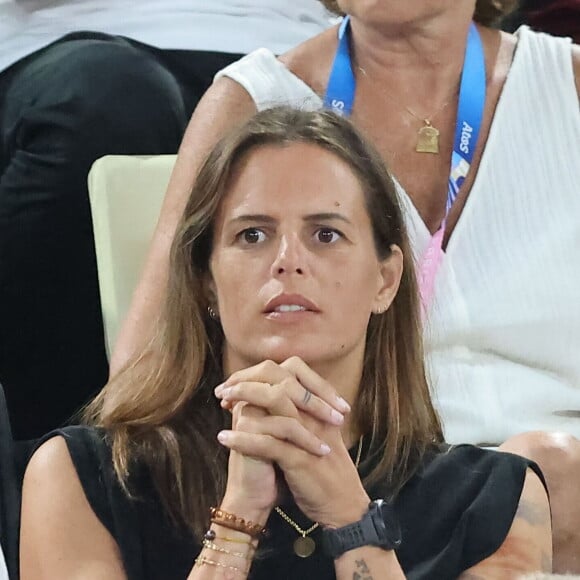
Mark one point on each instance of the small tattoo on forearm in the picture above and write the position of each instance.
(362, 571)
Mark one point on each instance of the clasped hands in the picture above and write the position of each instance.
(287, 415)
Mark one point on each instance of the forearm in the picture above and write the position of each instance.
(368, 563)
(227, 553)
(147, 300)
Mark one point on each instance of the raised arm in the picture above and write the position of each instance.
(225, 105)
(528, 545)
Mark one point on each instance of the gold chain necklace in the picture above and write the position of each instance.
(304, 546)
(427, 135)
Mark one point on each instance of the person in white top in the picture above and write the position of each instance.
(66, 98)
(500, 280)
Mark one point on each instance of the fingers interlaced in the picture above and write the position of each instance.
(284, 388)
(282, 429)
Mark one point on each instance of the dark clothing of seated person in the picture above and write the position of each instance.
(282, 398)
(80, 79)
(556, 17)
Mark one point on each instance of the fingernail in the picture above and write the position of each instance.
(223, 436)
(217, 391)
(324, 449)
(336, 417)
(226, 392)
(344, 406)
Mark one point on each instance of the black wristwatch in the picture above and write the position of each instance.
(378, 527)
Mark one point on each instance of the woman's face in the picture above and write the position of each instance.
(294, 267)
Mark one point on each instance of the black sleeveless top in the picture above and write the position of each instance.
(454, 512)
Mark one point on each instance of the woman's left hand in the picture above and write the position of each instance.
(325, 484)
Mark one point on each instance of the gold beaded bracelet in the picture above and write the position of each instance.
(237, 523)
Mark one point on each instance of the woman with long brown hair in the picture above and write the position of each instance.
(481, 131)
(291, 337)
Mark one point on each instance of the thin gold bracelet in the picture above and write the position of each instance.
(210, 535)
(211, 546)
(235, 540)
(201, 560)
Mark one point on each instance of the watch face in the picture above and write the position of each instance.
(392, 530)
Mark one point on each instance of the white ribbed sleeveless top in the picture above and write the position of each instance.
(503, 334)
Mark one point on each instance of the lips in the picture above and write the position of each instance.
(290, 303)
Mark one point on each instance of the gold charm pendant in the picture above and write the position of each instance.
(304, 546)
(428, 139)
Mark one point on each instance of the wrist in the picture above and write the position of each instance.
(348, 514)
(378, 528)
(239, 507)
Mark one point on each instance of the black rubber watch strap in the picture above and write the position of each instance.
(371, 530)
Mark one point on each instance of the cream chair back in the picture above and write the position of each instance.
(126, 193)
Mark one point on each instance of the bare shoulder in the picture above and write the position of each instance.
(50, 466)
(528, 545)
(60, 536)
(311, 60)
(576, 64)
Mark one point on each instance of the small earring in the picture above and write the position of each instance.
(380, 309)
(212, 313)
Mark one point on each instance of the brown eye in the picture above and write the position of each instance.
(327, 235)
(252, 236)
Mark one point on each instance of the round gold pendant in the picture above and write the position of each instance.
(304, 546)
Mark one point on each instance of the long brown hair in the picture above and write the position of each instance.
(160, 410)
(487, 12)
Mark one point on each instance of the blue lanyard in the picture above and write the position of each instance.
(341, 90)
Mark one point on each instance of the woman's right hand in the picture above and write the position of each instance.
(253, 485)
(252, 488)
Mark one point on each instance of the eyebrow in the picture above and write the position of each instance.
(315, 217)
(327, 216)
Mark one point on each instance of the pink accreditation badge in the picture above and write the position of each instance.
(430, 264)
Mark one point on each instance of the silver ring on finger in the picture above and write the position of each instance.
(307, 397)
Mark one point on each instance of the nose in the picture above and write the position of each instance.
(290, 257)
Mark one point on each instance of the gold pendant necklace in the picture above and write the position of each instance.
(304, 545)
(427, 135)
(427, 138)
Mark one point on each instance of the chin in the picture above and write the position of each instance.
(279, 355)
(279, 349)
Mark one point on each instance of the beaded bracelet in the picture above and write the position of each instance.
(237, 523)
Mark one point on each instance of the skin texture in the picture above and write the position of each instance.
(273, 422)
(298, 244)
